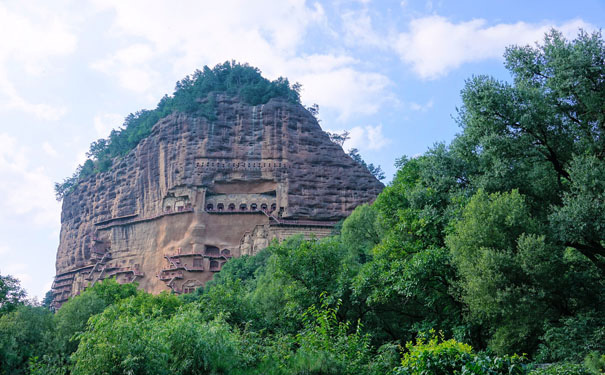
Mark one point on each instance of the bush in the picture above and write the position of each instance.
(437, 356)
(561, 369)
(595, 363)
(572, 338)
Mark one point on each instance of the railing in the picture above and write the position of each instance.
(170, 274)
(115, 271)
(194, 268)
(106, 221)
(165, 213)
(294, 222)
(62, 283)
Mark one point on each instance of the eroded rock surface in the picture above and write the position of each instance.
(196, 192)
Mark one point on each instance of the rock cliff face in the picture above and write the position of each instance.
(196, 192)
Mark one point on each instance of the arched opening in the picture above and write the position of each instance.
(273, 207)
(220, 207)
(226, 252)
(263, 207)
(214, 265)
(212, 251)
(209, 207)
(243, 207)
(231, 207)
(253, 207)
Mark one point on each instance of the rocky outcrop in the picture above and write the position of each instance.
(196, 192)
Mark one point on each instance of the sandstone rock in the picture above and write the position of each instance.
(196, 193)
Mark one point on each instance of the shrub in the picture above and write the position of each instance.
(595, 363)
(437, 356)
(561, 369)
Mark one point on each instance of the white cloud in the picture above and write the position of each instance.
(31, 41)
(347, 90)
(421, 107)
(80, 158)
(26, 189)
(359, 31)
(4, 250)
(129, 65)
(433, 46)
(376, 139)
(49, 149)
(18, 270)
(266, 34)
(10, 99)
(364, 138)
(34, 38)
(105, 123)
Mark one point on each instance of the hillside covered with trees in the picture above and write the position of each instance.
(482, 256)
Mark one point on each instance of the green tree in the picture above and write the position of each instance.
(526, 135)
(507, 265)
(22, 334)
(376, 171)
(196, 346)
(580, 221)
(329, 346)
(407, 285)
(361, 232)
(72, 318)
(298, 272)
(12, 294)
(124, 337)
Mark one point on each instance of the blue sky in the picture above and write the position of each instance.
(390, 72)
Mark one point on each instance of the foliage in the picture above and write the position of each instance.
(198, 347)
(361, 232)
(193, 94)
(72, 317)
(376, 171)
(579, 222)
(437, 356)
(339, 138)
(595, 362)
(123, 338)
(571, 338)
(327, 347)
(297, 273)
(561, 369)
(22, 333)
(533, 134)
(12, 294)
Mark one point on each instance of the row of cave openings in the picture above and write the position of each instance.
(213, 251)
(220, 207)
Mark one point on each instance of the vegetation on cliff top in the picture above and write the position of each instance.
(192, 94)
(477, 250)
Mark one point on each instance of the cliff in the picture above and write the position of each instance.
(195, 193)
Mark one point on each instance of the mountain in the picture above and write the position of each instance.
(199, 190)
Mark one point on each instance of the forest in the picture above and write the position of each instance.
(483, 256)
